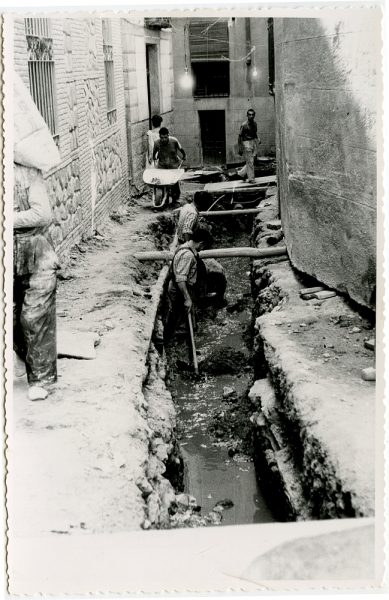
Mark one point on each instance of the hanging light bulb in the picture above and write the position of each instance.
(186, 80)
(255, 72)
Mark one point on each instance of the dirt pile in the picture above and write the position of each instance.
(162, 230)
(225, 360)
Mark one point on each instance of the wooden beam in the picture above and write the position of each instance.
(225, 213)
(165, 255)
(224, 186)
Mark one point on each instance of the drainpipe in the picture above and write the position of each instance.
(248, 59)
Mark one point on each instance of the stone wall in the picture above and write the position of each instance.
(244, 92)
(92, 178)
(326, 98)
(64, 190)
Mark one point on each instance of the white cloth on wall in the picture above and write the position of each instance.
(33, 142)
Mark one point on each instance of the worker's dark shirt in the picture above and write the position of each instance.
(167, 153)
(248, 131)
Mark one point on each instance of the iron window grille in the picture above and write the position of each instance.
(209, 57)
(212, 79)
(41, 70)
(109, 71)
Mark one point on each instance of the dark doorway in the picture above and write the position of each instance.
(152, 80)
(213, 136)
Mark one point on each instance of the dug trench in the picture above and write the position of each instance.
(264, 432)
(286, 403)
(209, 459)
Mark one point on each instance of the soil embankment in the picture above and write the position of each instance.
(76, 461)
(315, 417)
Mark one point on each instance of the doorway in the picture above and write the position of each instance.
(213, 136)
(152, 73)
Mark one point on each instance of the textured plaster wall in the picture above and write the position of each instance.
(244, 93)
(83, 126)
(326, 106)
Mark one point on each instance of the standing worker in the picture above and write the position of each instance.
(35, 264)
(34, 259)
(187, 221)
(248, 145)
(166, 148)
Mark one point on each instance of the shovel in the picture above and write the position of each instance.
(195, 363)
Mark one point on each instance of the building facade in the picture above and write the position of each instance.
(148, 84)
(222, 67)
(89, 79)
(327, 94)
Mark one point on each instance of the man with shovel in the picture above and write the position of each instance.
(185, 274)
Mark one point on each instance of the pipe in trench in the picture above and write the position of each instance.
(166, 255)
(223, 213)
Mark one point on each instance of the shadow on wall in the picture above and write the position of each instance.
(326, 147)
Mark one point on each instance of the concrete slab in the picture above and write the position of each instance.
(225, 560)
(77, 344)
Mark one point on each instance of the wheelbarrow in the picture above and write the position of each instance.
(165, 185)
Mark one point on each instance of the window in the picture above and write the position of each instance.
(109, 71)
(41, 70)
(211, 79)
(209, 56)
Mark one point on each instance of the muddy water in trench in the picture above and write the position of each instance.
(211, 474)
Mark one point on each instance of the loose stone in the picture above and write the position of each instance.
(370, 344)
(324, 295)
(311, 290)
(228, 392)
(368, 374)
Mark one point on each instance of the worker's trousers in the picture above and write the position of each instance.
(248, 154)
(34, 314)
(35, 325)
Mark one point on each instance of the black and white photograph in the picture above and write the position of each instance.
(194, 363)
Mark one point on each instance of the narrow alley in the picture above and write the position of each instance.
(238, 412)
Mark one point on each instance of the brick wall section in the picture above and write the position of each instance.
(243, 93)
(326, 98)
(98, 150)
